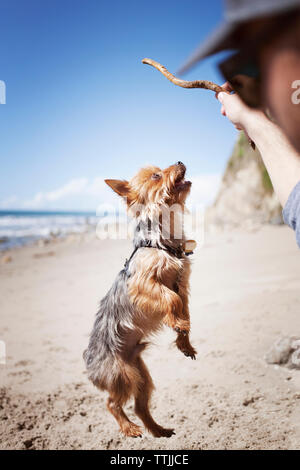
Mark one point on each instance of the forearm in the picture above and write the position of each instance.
(280, 158)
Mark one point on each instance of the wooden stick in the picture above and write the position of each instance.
(206, 84)
(183, 83)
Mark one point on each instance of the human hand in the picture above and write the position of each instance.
(241, 116)
(232, 107)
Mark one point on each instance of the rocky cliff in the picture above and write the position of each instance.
(246, 195)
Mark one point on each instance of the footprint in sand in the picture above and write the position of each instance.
(43, 255)
(24, 363)
(25, 373)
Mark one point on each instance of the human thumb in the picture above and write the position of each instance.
(221, 96)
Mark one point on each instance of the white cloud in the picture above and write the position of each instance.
(204, 188)
(97, 187)
(76, 186)
(42, 199)
(81, 194)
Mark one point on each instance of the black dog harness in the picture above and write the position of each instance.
(177, 252)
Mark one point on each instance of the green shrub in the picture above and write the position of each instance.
(266, 181)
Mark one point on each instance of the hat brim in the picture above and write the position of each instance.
(221, 39)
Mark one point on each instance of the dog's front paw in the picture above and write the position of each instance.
(191, 354)
(184, 345)
(182, 327)
(180, 331)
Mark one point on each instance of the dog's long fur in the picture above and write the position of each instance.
(150, 291)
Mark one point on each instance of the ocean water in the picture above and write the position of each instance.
(21, 227)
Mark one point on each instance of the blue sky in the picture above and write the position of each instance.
(80, 106)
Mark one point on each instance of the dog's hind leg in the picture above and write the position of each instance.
(142, 400)
(123, 387)
(127, 427)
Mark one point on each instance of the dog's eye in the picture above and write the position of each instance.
(155, 176)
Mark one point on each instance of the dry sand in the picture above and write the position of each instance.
(244, 295)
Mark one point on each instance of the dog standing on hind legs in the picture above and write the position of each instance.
(151, 290)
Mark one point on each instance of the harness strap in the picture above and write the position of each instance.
(148, 244)
(127, 261)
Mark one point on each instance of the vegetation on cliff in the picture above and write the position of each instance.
(246, 194)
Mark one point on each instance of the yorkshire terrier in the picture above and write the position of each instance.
(151, 291)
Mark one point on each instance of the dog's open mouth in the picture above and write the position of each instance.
(181, 183)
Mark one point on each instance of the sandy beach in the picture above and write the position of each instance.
(244, 296)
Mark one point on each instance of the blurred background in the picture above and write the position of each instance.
(81, 107)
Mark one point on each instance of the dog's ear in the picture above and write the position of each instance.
(120, 187)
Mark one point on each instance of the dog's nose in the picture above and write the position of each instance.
(179, 163)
